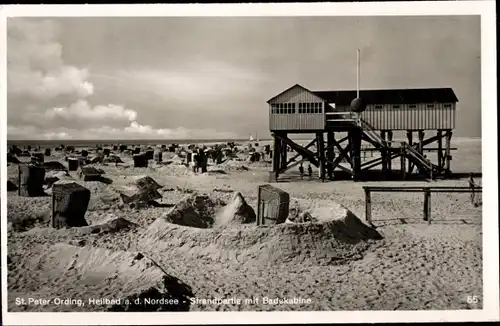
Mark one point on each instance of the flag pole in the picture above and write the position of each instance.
(357, 75)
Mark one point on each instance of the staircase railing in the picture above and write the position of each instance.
(369, 130)
(410, 150)
(419, 158)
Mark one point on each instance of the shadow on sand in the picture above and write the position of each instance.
(366, 176)
(416, 221)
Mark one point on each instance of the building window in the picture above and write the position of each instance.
(395, 106)
(430, 106)
(412, 106)
(448, 106)
(378, 106)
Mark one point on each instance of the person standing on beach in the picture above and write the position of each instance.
(194, 161)
(309, 170)
(472, 185)
(301, 170)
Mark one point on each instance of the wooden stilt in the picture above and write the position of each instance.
(330, 153)
(368, 206)
(321, 154)
(440, 149)
(427, 207)
(383, 154)
(409, 135)
(284, 150)
(277, 156)
(421, 141)
(403, 163)
(389, 145)
(355, 140)
(274, 151)
(449, 133)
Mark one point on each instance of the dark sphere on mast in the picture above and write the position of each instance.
(358, 104)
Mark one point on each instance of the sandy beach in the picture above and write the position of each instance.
(201, 261)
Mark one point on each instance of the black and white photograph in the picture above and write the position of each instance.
(247, 163)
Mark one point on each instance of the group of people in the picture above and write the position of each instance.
(309, 170)
(199, 160)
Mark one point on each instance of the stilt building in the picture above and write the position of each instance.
(373, 120)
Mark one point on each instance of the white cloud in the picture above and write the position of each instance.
(81, 110)
(134, 129)
(38, 77)
(35, 66)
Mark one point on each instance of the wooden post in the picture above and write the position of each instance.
(427, 207)
(321, 154)
(355, 142)
(383, 153)
(274, 150)
(259, 207)
(389, 161)
(330, 153)
(368, 206)
(409, 135)
(403, 162)
(440, 150)
(277, 156)
(420, 141)
(448, 151)
(283, 152)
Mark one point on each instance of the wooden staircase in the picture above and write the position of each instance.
(370, 135)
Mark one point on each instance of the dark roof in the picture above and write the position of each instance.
(391, 96)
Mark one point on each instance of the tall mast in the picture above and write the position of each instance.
(357, 75)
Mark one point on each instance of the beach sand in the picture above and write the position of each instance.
(337, 263)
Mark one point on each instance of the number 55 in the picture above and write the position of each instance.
(472, 299)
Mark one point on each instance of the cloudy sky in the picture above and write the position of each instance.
(179, 78)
